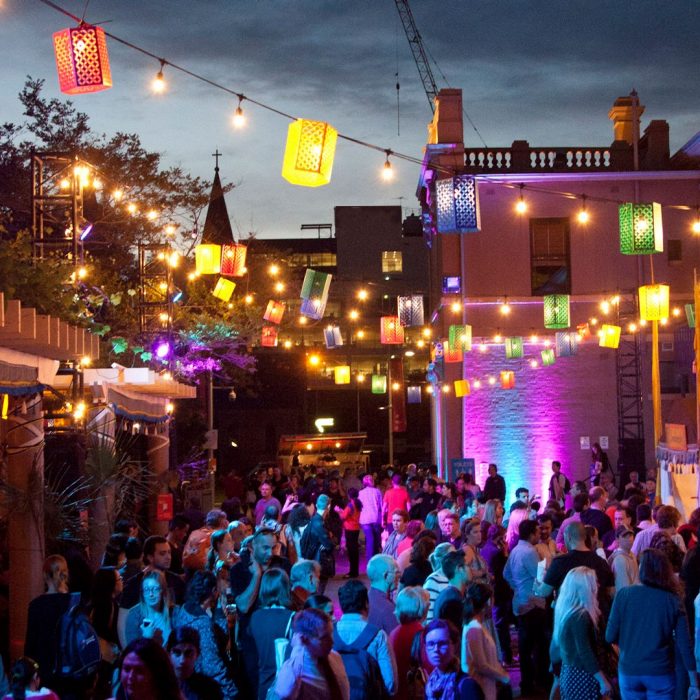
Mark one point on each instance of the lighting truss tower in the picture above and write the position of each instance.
(57, 205)
(630, 402)
(156, 289)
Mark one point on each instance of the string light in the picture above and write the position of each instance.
(314, 360)
(505, 307)
(158, 85)
(492, 380)
(170, 230)
(456, 307)
(387, 171)
(354, 314)
(534, 364)
(427, 332)
(287, 344)
(360, 378)
(360, 334)
(363, 295)
(632, 328)
(273, 269)
(483, 347)
(476, 383)
(248, 299)
(605, 307)
(695, 226)
(420, 343)
(583, 216)
(642, 322)
(521, 204)
(238, 116)
(445, 388)
(663, 321)
(64, 184)
(151, 214)
(117, 194)
(131, 208)
(533, 338)
(279, 287)
(676, 311)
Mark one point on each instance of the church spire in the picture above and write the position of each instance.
(217, 227)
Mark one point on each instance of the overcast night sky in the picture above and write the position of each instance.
(545, 71)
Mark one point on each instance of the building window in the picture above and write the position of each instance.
(392, 262)
(322, 260)
(550, 260)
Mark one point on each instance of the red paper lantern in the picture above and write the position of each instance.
(269, 337)
(452, 354)
(233, 260)
(81, 60)
(274, 311)
(391, 331)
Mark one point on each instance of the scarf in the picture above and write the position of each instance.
(441, 686)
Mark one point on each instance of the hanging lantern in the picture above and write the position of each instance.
(452, 354)
(547, 357)
(584, 331)
(462, 388)
(556, 311)
(379, 384)
(332, 336)
(308, 156)
(507, 379)
(274, 311)
(641, 229)
(223, 289)
(233, 259)
(342, 374)
(316, 285)
(457, 205)
(81, 60)
(460, 337)
(391, 330)
(313, 308)
(609, 336)
(514, 347)
(566, 343)
(410, 310)
(690, 315)
(654, 302)
(269, 337)
(207, 258)
(414, 394)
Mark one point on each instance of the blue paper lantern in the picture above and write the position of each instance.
(457, 205)
(414, 394)
(566, 343)
(313, 308)
(333, 337)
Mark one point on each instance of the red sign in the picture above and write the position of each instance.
(164, 507)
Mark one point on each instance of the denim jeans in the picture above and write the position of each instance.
(373, 539)
(647, 687)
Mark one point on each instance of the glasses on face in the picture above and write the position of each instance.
(442, 645)
(152, 590)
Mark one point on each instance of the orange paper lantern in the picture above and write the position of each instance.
(233, 260)
(274, 311)
(269, 337)
(452, 354)
(507, 379)
(391, 330)
(82, 60)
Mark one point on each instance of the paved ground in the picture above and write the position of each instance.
(332, 592)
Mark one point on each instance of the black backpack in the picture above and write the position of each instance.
(362, 668)
(78, 654)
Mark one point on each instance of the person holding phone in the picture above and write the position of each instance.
(151, 618)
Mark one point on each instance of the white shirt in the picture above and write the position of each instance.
(371, 499)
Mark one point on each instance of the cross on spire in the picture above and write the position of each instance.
(216, 155)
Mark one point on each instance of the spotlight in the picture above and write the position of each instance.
(163, 350)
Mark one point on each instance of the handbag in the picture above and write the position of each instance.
(282, 645)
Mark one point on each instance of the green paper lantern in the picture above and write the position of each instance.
(548, 357)
(316, 285)
(641, 228)
(690, 315)
(379, 384)
(460, 337)
(556, 311)
(514, 347)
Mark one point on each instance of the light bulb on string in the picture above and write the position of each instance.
(521, 204)
(158, 85)
(582, 215)
(238, 116)
(388, 170)
(505, 307)
(695, 226)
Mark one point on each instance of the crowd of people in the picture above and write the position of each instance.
(590, 594)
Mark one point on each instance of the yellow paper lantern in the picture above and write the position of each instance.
(609, 336)
(462, 388)
(223, 289)
(342, 374)
(308, 156)
(654, 302)
(207, 257)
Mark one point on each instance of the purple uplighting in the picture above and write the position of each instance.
(162, 350)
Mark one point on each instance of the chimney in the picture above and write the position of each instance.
(625, 121)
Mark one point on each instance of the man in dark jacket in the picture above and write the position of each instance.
(316, 542)
(495, 486)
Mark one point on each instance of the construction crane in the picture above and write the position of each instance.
(416, 43)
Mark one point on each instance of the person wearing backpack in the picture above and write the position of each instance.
(367, 655)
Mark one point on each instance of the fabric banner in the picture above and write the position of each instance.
(398, 396)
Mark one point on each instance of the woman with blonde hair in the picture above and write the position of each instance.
(471, 541)
(151, 617)
(492, 515)
(437, 581)
(516, 517)
(574, 640)
(411, 609)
